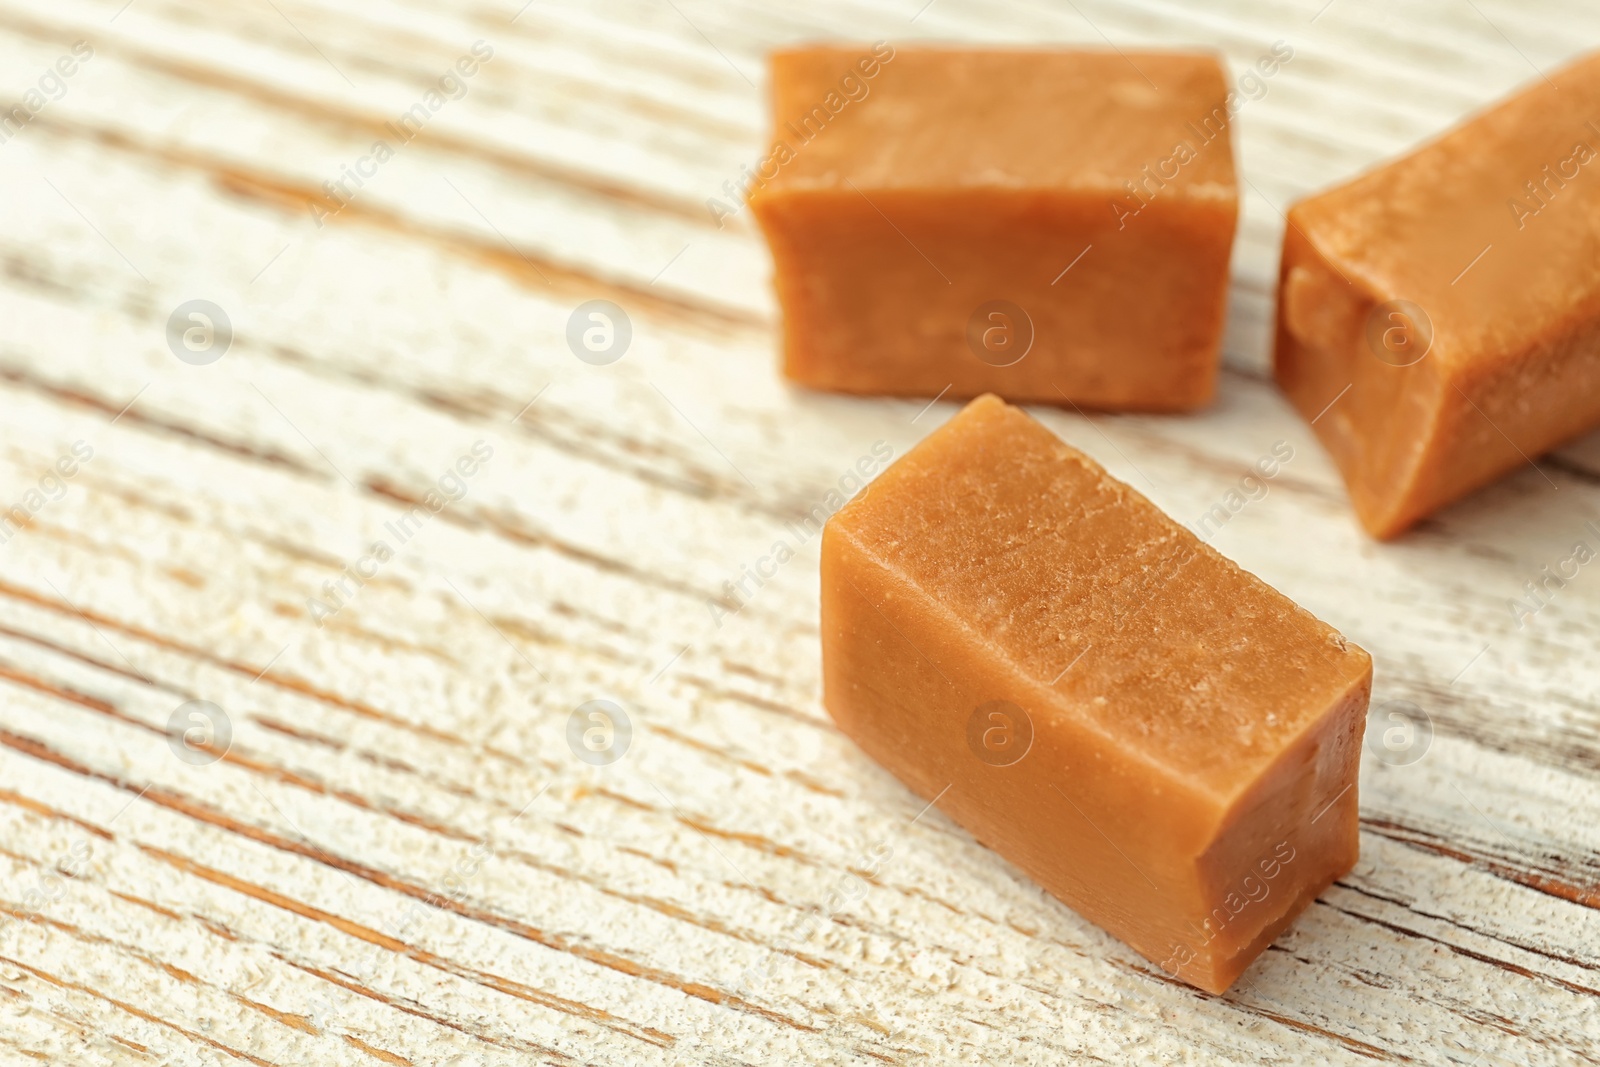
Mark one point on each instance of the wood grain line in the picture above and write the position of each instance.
(1524, 946)
(530, 269)
(217, 930)
(195, 809)
(1395, 829)
(136, 1012)
(277, 679)
(237, 756)
(388, 943)
(472, 1030)
(1461, 950)
(365, 127)
(18, 375)
(301, 1023)
(375, 1052)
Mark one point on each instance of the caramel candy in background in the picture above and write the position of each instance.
(1456, 294)
(1157, 737)
(924, 206)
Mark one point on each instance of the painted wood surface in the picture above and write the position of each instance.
(371, 841)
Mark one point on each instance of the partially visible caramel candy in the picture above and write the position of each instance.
(1439, 316)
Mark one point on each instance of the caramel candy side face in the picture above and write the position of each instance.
(1043, 225)
(1439, 317)
(1159, 739)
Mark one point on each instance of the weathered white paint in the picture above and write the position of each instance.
(400, 859)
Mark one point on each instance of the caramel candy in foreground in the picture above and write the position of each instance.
(1158, 738)
(1046, 226)
(1456, 294)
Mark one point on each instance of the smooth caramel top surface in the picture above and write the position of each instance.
(938, 118)
(1438, 227)
(1158, 641)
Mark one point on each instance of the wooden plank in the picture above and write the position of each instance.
(399, 859)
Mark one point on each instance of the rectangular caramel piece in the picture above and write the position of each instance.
(1158, 738)
(1044, 225)
(1447, 304)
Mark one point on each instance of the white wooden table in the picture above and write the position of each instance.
(398, 857)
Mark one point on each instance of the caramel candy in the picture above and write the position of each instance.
(1045, 225)
(1158, 738)
(1442, 312)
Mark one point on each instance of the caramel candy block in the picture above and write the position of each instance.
(1158, 738)
(1045, 225)
(1454, 294)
